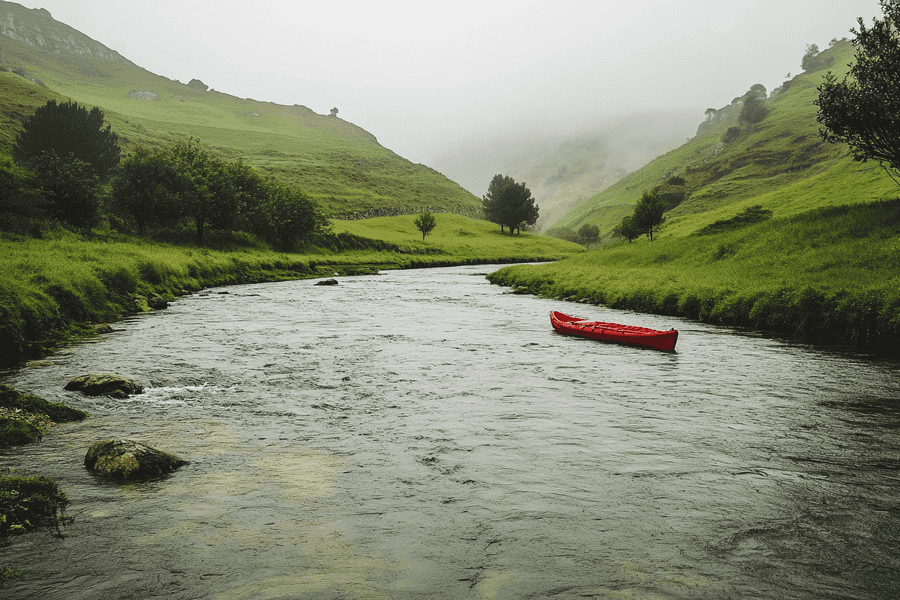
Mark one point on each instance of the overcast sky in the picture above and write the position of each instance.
(417, 74)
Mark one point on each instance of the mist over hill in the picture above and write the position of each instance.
(566, 164)
(779, 163)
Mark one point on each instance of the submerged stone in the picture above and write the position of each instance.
(105, 384)
(128, 459)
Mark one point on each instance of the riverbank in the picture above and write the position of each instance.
(828, 274)
(61, 286)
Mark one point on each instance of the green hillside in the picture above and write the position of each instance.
(816, 254)
(780, 163)
(339, 164)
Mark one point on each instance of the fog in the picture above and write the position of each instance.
(426, 78)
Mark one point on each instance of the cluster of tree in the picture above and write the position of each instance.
(814, 61)
(586, 235)
(753, 110)
(509, 204)
(183, 182)
(66, 156)
(863, 109)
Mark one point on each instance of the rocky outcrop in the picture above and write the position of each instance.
(144, 95)
(37, 28)
(128, 459)
(105, 384)
(327, 282)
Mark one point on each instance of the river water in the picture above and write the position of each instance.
(424, 434)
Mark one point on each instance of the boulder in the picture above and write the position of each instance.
(128, 459)
(105, 384)
(157, 302)
(327, 282)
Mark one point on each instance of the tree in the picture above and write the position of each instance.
(425, 223)
(509, 204)
(21, 201)
(648, 213)
(813, 61)
(627, 229)
(293, 216)
(69, 131)
(205, 191)
(588, 234)
(334, 112)
(863, 109)
(144, 189)
(754, 109)
(71, 189)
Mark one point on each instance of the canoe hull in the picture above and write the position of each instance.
(614, 332)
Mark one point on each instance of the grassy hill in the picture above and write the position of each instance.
(339, 164)
(824, 264)
(779, 163)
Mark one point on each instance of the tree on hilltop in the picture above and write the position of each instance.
(509, 204)
(863, 109)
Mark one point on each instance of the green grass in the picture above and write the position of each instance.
(830, 272)
(339, 164)
(459, 237)
(52, 288)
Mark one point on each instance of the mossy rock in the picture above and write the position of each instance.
(105, 384)
(29, 502)
(18, 427)
(55, 411)
(140, 304)
(128, 459)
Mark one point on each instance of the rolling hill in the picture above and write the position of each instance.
(779, 163)
(339, 164)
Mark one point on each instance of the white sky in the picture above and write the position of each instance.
(417, 74)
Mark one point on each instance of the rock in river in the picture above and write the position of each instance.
(127, 459)
(327, 282)
(105, 384)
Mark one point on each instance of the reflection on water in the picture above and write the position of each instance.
(423, 434)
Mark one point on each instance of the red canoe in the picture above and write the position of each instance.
(613, 332)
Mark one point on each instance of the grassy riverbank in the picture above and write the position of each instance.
(59, 286)
(829, 273)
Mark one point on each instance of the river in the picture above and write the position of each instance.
(424, 434)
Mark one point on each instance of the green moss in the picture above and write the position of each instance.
(30, 502)
(55, 411)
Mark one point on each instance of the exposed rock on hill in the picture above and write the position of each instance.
(36, 27)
